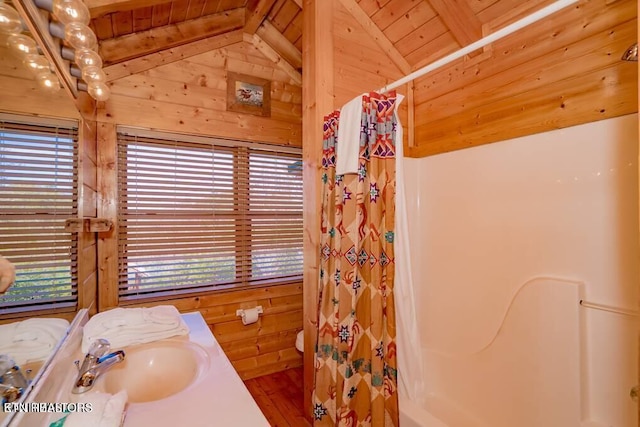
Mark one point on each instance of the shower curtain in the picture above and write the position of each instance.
(355, 365)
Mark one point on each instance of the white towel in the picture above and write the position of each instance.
(128, 326)
(107, 410)
(348, 146)
(33, 339)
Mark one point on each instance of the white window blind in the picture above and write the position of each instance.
(38, 192)
(197, 215)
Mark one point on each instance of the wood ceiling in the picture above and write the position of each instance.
(128, 29)
(416, 32)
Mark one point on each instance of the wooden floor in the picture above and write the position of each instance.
(279, 396)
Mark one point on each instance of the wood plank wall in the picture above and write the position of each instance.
(21, 95)
(189, 96)
(562, 71)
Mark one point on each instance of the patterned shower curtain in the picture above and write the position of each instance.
(355, 365)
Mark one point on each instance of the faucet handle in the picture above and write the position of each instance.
(99, 347)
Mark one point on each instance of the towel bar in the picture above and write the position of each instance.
(609, 308)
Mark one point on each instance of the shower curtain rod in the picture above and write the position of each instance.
(527, 20)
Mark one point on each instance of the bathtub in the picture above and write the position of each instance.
(413, 415)
(531, 373)
(433, 413)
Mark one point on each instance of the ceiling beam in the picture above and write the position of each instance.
(102, 7)
(274, 56)
(157, 39)
(280, 43)
(464, 25)
(377, 34)
(256, 12)
(147, 62)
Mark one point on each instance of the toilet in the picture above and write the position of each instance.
(300, 341)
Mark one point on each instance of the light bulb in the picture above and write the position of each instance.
(86, 58)
(69, 11)
(22, 44)
(48, 81)
(80, 36)
(10, 22)
(98, 91)
(93, 74)
(36, 63)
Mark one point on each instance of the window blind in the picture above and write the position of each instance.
(204, 215)
(38, 192)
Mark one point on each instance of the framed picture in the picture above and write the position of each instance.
(248, 94)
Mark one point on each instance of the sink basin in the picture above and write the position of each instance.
(156, 370)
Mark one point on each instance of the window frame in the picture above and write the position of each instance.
(242, 151)
(70, 129)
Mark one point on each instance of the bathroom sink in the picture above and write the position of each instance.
(156, 370)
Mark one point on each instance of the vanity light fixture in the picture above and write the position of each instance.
(10, 22)
(22, 44)
(36, 63)
(48, 81)
(70, 23)
(26, 48)
(70, 11)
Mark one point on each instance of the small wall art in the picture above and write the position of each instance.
(248, 94)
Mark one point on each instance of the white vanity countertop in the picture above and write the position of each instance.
(217, 398)
(220, 398)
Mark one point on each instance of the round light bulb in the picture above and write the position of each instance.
(98, 91)
(48, 81)
(93, 74)
(86, 58)
(80, 36)
(70, 11)
(36, 63)
(10, 22)
(22, 44)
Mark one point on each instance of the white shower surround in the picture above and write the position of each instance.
(485, 221)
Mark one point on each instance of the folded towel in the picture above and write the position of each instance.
(31, 340)
(107, 410)
(348, 145)
(127, 326)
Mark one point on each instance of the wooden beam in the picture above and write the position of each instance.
(280, 44)
(256, 12)
(318, 100)
(156, 59)
(377, 34)
(299, 3)
(169, 36)
(464, 25)
(102, 7)
(271, 53)
(107, 176)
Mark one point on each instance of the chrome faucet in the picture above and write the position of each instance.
(12, 382)
(96, 362)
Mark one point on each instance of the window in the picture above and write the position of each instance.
(199, 214)
(38, 192)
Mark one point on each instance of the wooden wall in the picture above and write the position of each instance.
(562, 71)
(189, 96)
(21, 95)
